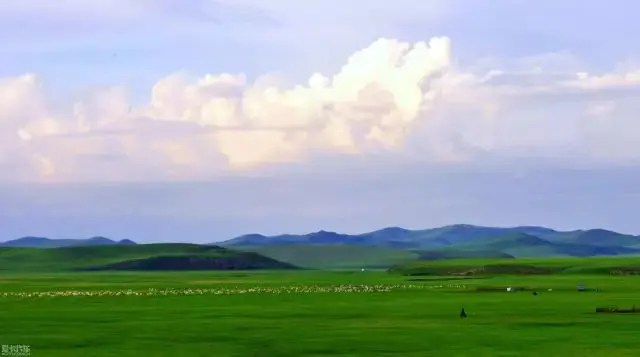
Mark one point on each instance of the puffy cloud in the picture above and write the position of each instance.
(391, 97)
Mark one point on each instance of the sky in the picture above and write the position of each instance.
(197, 121)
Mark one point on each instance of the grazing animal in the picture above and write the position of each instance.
(463, 314)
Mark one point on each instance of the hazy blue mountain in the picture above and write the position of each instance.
(521, 245)
(393, 237)
(41, 242)
(464, 240)
(598, 237)
(452, 240)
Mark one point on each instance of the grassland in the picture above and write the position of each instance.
(315, 313)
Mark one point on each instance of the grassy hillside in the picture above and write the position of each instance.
(524, 266)
(133, 257)
(335, 256)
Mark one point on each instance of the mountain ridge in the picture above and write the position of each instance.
(43, 242)
(397, 237)
(459, 241)
(388, 243)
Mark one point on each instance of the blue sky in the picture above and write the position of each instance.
(201, 120)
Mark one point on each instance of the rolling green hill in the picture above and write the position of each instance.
(335, 256)
(134, 257)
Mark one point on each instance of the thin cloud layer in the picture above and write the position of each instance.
(408, 99)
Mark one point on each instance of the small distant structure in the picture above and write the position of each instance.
(463, 314)
(581, 287)
(362, 269)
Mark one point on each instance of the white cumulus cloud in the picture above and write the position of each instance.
(393, 96)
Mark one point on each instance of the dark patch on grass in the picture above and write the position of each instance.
(502, 288)
(480, 270)
(244, 261)
(550, 324)
(625, 271)
(617, 310)
(446, 279)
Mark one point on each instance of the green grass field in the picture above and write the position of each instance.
(313, 313)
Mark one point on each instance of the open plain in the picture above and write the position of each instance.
(404, 312)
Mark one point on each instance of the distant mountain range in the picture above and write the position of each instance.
(394, 244)
(41, 242)
(395, 237)
(461, 241)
